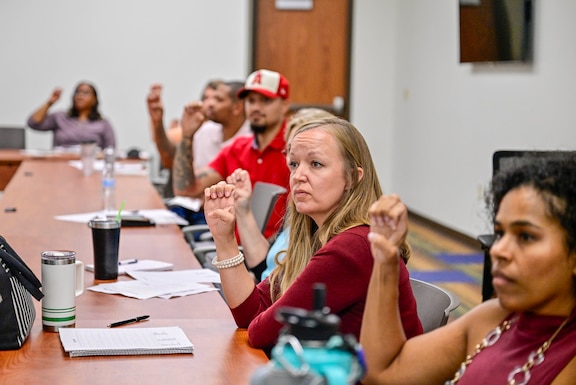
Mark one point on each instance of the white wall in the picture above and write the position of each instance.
(122, 47)
(431, 122)
(373, 81)
(448, 118)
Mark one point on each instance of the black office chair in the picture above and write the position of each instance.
(12, 138)
(502, 159)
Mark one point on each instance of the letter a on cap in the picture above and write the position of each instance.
(257, 78)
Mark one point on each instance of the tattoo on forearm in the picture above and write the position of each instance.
(183, 169)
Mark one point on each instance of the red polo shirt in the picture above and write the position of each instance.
(268, 165)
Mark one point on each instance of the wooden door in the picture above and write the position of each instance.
(310, 47)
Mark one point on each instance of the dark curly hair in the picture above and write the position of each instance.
(552, 175)
(94, 113)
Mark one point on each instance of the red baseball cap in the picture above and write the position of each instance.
(268, 83)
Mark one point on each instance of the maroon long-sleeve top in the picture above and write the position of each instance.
(344, 265)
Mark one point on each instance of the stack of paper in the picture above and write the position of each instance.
(193, 204)
(140, 265)
(163, 284)
(159, 216)
(120, 168)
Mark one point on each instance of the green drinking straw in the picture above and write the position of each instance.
(120, 211)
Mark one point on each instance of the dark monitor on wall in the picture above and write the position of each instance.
(496, 31)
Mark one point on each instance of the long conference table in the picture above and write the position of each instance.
(40, 190)
(10, 160)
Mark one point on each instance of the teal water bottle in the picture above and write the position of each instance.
(311, 350)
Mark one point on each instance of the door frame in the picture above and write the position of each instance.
(345, 112)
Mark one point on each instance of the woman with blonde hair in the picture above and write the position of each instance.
(261, 254)
(333, 182)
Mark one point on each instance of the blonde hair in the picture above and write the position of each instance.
(305, 238)
(299, 118)
(303, 116)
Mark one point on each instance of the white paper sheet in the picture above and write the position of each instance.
(163, 284)
(145, 290)
(140, 265)
(186, 202)
(180, 276)
(120, 168)
(160, 216)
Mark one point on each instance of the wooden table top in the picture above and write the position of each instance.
(10, 159)
(16, 155)
(39, 191)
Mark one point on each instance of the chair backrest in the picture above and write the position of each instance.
(13, 137)
(502, 159)
(433, 303)
(264, 198)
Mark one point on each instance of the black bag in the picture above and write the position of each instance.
(17, 286)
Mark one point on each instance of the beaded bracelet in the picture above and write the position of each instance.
(228, 263)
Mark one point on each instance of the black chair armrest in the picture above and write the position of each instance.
(486, 241)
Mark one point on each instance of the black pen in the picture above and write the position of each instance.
(129, 321)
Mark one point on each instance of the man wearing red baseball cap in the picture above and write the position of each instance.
(268, 83)
(265, 95)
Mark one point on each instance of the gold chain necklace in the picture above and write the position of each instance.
(536, 357)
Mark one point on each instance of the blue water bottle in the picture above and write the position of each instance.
(108, 182)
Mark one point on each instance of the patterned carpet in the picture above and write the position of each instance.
(447, 262)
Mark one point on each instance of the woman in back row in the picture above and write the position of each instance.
(527, 335)
(80, 124)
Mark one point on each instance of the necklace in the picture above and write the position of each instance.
(536, 357)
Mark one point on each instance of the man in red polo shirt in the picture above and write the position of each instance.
(265, 95)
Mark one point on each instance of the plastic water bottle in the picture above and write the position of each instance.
(108, 182)
(311, 350)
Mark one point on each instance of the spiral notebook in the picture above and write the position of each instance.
(79, 342)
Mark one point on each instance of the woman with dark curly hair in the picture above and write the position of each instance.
(81, 123)
(527, 334)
